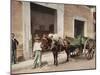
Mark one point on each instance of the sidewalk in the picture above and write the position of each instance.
(47, 64)
(47, 59)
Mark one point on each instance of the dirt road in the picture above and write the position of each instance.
(78, 63)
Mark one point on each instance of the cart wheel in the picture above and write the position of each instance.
(90, 55)
(90, 43)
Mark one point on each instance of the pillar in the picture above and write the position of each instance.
(60, 20)
(26, 30)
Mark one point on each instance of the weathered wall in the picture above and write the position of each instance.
(65, 21)
(16, 21)
(80, 12)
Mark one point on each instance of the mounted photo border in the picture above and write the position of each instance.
(26, 28)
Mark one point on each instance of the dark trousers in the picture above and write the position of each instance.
(55, 55)
(13, 57)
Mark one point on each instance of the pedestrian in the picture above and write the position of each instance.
(60, 43)
(14, 44)
(44, 42)
(37, 50)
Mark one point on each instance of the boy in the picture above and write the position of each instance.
(37, 50)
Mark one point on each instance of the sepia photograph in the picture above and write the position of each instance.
(52, 37)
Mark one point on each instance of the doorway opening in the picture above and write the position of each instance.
(78, 28)
(43, 20)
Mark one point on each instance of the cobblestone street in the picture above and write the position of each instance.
(47, 64)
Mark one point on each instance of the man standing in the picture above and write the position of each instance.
(14, 44)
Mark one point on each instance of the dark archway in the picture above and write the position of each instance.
(42, 19)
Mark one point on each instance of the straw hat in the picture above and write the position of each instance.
(37, 38)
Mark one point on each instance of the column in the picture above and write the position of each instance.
(26, 30)
(60, 20)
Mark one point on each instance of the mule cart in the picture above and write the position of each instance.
(82, 46)
(72, 46)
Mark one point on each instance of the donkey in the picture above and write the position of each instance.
(56, 45)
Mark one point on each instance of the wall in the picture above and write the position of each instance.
(65, 21)
(80, 12)
(16, 24)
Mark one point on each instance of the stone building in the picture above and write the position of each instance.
(28, 18)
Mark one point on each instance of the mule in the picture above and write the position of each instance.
(57, 47)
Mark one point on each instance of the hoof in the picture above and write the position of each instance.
(56, 64)
(33, 67)
(67, 60)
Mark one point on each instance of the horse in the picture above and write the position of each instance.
(56, 46)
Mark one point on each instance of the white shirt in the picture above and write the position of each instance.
(37, 46)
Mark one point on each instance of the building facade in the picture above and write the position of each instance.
(65, 20)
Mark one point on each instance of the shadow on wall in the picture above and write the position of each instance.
(20, 56)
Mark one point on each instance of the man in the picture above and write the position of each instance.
(44, 42)
(50, 38)
(14, 44)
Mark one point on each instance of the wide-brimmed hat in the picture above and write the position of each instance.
(37, 38)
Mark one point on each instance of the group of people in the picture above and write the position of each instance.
(44, 43)
(40, 43)
(37, 47)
